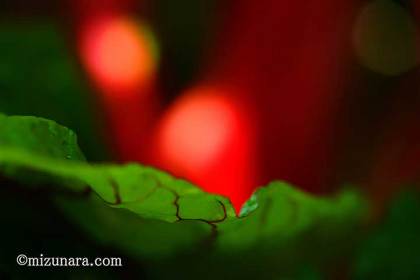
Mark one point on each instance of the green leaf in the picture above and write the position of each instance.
(151, 215)
(44, 138)
(143, 190)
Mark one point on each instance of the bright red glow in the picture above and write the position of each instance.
(120, 57)
(206, 138)
(197, 130)
(118, 54)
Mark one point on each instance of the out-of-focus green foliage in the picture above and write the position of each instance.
(392, 250)
(39, 76)
(150, 215)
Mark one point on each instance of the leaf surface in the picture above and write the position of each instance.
(151, 215)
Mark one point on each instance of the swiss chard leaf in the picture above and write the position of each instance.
(149, 214)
